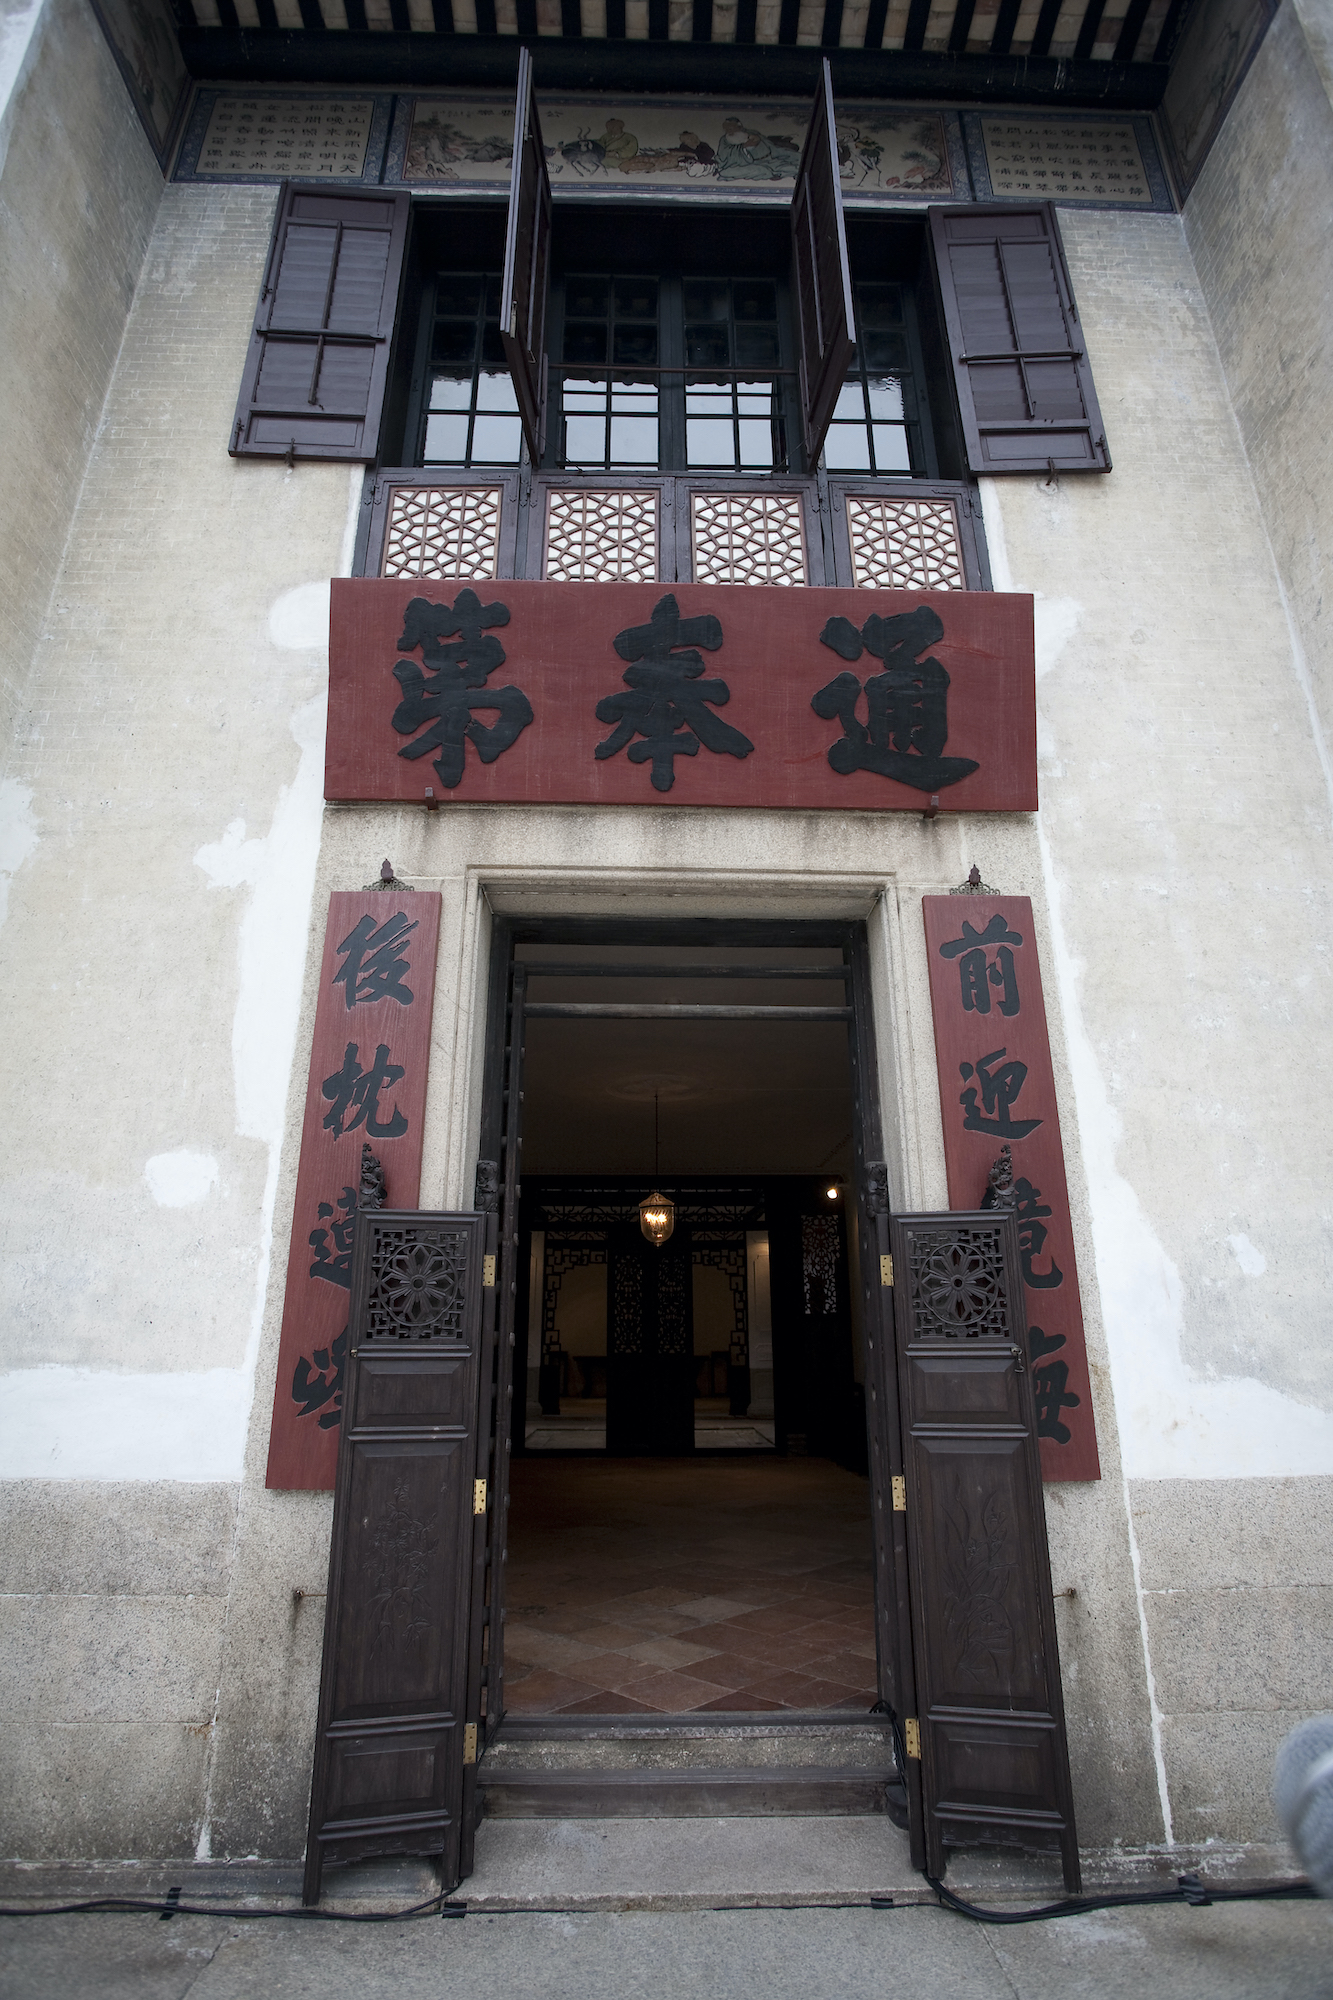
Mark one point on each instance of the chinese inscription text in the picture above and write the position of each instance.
(669, 705)
(907, 725)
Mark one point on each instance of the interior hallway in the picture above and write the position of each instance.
(663, 1586)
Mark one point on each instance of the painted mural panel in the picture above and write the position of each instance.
(997, 1090)
(1216, 50)
(142, 35)
(667, 146)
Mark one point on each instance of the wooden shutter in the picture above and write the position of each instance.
(821, 276)
(408, 1519)
(315, 375)
(524, 286)
(994, 1759)
(1025, 389)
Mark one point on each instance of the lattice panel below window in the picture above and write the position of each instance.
(905, 545)
(599, 536)
(442, 531)
(747, 538)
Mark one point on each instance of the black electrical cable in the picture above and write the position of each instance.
(169, 1907)
(1189, 1890)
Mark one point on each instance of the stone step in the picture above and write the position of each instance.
(659, 1768)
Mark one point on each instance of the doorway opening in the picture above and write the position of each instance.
(690, 1521)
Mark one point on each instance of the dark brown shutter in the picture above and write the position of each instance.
(525, 283)
(315, 375)
(408, 1517)
(1025, 389)
(994, 1758)
(821, 276)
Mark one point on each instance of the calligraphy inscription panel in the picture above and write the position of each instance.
(307, 137)
(1040, 159)
(997, 1088)
(367, 1087)
(692, 694)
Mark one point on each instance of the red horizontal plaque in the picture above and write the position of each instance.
(691, 694)
(367, 1087)
(997, 1087)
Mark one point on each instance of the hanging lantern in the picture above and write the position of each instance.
(657, 1218)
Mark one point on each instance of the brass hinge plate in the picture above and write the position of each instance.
(912, 1735)
(899, 1485)
(488, 1272)
(479, 1496)
(470, 1742)
(886, 1270)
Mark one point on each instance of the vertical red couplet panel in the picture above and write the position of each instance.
(997, 1088)
(367, 1087)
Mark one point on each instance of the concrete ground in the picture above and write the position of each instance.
(778, 1909)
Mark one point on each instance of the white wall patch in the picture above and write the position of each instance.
(181, 1179)
(1252, 1262)
(18, 834)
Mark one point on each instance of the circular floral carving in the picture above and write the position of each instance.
(418, 1289)
(959, 1285)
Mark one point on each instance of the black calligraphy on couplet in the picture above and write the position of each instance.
(907, 706)
(986, 962)
(670, 706)
(317, 1380)
(458, 645)
(373, 964)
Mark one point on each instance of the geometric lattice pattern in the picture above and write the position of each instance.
(595, 536)
(442, 531)
(957, 1282)
(819, 1263)
(747, 538)
(418, 1284)
(904, 545)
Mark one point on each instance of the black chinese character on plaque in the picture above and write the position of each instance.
(978, 972)
(317, 1379)
(669, 705)
(907, 722)
(999, 1087)
(454, 684)
(354, 1090)
(372, 963)
(1051, 1392)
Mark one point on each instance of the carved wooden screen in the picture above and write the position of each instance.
(524, 285)
(394, 1733)
(649, 1343)
(315, 375)
(821, 275)
(994, 1759)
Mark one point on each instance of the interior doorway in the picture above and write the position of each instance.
(690, 1518)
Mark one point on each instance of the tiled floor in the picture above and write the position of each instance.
(660, 1586)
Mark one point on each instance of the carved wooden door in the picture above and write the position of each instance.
(393, 1736)
(649, 1344)
(989, 1728)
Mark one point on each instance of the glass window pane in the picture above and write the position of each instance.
(496, 392)
(636, 298)
(706, 346)
(708, 441)
(446, 440)
(847, 448)
(585, 340)
(705, 298)
(458, 297)
(886, 398)
(880, 305)
(455, 341)
(451, 392)
(633, 396)
(754, 399)
(755, 300)
(886, 351)
(634, 440)
(703, 397)
(756, 346)
(585, 298)
(851, 402)
(581, 395)
(492, 348)
(756, 442)
(891, 452)
(635, 346)
(496, 440)
(585, 441)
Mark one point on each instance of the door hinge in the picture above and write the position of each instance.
(899, 1485)
(488, 1273)
(479, 1496)
(911, 1736)
(886, 1270)
(470, 1742)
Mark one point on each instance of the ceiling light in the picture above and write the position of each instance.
(657, 1218)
